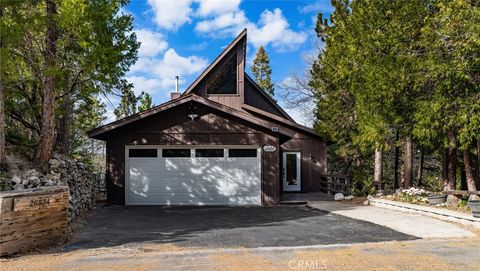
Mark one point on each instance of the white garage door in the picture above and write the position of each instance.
(162, 175)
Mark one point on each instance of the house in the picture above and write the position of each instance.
(223, 141)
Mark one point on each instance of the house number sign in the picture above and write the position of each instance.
(269, 148)
(31, 203)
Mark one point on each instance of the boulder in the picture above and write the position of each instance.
(452, 201)
(24, 181)
(16, 179)
(338, 196)
(473, 198)
(348, 197)
(31, 172)
(366, 203)
(34, 180)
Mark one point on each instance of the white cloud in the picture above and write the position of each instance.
(323, 6)
(226, 24)
(152, 43)
(272, 29)
(171, 14)
(217, 7)
(157, 74)
(142, 83)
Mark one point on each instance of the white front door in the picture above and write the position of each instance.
(291, 171)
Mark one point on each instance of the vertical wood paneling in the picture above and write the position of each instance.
(313, 168)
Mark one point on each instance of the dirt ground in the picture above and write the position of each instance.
(426, 254)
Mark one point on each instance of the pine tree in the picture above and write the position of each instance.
(145, 101)
(128, 103)
(262, 71)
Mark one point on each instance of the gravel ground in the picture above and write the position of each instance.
(427, 254)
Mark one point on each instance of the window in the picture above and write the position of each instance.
(209, 153)
(175, 152)
(142, 153)
(242, 153)
(224, 80)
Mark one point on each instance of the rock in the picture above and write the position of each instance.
(34, 180)
(348, 197)
(452, 201)
(31, 172)
(59, 163)
(63, 171)
(24, 181)
(369, 197)
(16, 179)
(366, 203)
(473, 197)
(338, 196)
(413, 191)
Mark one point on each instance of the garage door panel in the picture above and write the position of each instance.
(179, 199)
(177, 184)
(193, 181)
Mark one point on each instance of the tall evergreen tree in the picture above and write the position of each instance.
(448, 111)
(262, 71)
(94, 47)
(364, 75)
(128, 102)
(145, 102)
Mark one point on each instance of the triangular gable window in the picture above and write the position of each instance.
(224, 81)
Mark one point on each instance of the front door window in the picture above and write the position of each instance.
(291, 171)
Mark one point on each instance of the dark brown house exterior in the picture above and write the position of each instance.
(224, 141)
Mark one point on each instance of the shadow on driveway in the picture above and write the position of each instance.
(221, 227)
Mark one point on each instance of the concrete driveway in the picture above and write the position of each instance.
(226, 227)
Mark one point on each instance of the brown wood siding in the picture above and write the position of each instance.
(172, 127)
(256, 99)
(314, 159)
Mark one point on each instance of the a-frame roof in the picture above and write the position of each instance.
(256, 116)
(241, 37)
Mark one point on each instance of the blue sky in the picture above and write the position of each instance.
(182, 37)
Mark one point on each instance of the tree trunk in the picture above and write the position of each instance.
(378, 173)
(48, 102)
(397, 158)
(467, 160)
(445, 167)
(463, 179)
(3, 155)
(478, 164)
(420, 170)
(452, 163)
(407, 162)
(62, 139)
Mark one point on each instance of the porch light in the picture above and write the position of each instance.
(192, 116)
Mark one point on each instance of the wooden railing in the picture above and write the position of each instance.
(336, 183)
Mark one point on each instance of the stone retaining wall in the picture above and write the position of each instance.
(79, 178)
